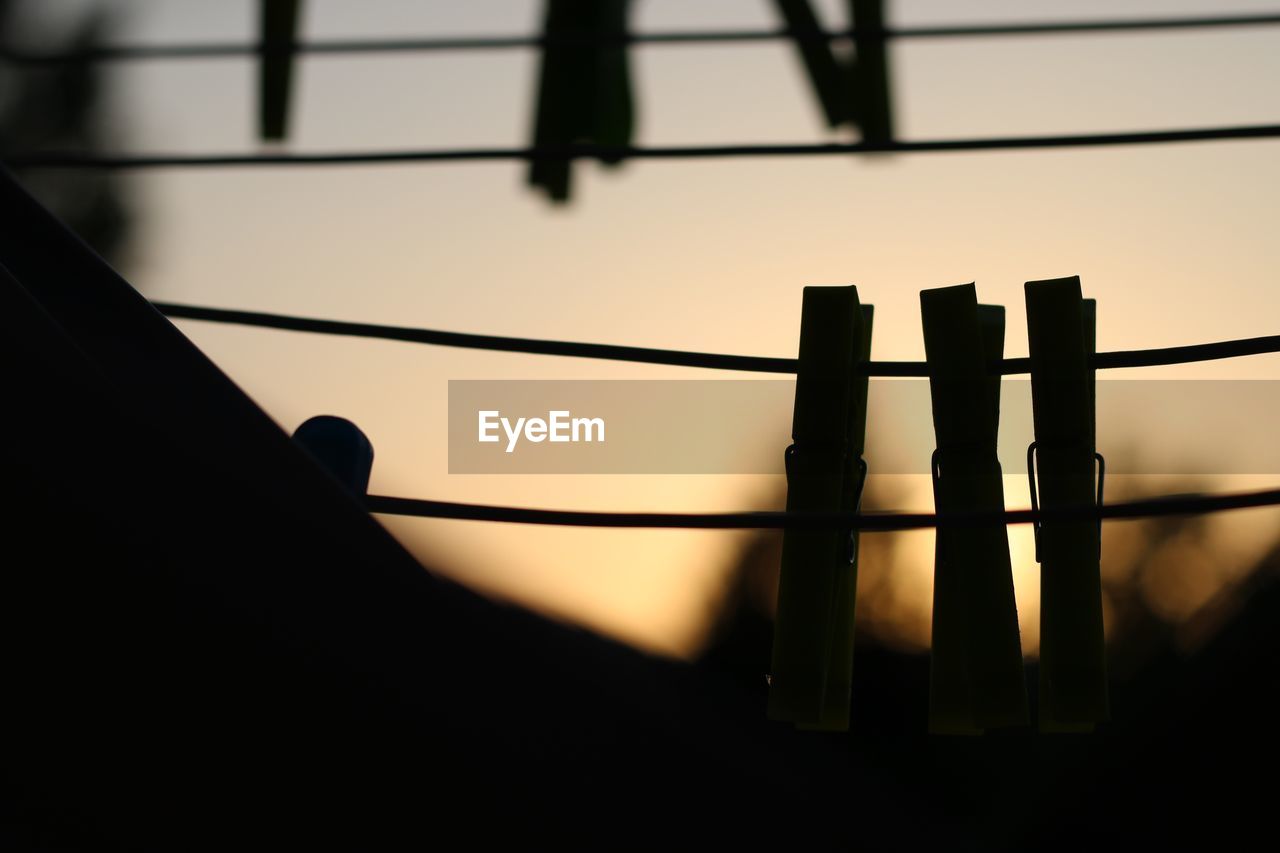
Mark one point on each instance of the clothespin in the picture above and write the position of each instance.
(584, 90)
(813, 635)
(872, 105)
(1061, 338)
(278, 21)
(341, 447)
(976, 673)
(852, 92)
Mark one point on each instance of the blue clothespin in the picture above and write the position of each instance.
(976, 673)
(341, 447)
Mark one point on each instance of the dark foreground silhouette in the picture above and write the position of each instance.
(207, 641)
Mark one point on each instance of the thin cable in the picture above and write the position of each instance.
(871, 522)
(534, 346)
(225, 50)
(684, 358)
(81, 160)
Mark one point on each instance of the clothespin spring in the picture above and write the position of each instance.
(851, 552)
(935, 469)
(851, 545)
(1035, 493)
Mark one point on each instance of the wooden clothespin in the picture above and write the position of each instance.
(852, 92)
(278, 22)
(976, 673)
(813, 635)
(341, 447)
(584, 90)
(1061, 338)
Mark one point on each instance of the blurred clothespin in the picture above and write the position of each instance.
(340, 447)
(856, 91)
(873, 109)
(813, 634)
(584, 90)
(278, 23)
(1061, 337)
(976, 672)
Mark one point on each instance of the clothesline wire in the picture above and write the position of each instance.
(613, 153)
(220, 50)
(1184, 354)
(871, 522)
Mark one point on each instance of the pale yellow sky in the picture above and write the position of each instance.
(1177, 243)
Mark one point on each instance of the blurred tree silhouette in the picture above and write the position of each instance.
(1168, 588)
(58, 107)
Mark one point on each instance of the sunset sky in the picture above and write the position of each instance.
(1177, 243)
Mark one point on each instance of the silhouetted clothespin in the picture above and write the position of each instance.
(1061, 338)
(584, 90)
(813, 635)
(827, 74)
(850, 92)
(873, 109)
(279, 33)
(976, 673)
(341, 447)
